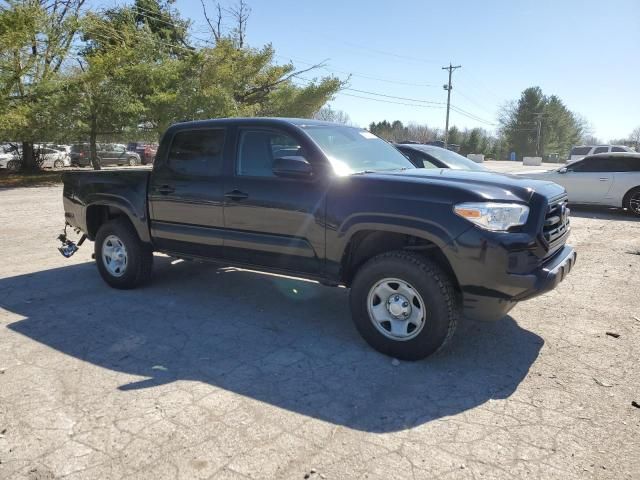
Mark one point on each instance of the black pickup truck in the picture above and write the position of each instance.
(336, 204)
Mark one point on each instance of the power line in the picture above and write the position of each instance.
(357, 74)
(472, 116)
(389, 101)
(417, 100)
(474, 102)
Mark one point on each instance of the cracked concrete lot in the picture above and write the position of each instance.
(228, 374)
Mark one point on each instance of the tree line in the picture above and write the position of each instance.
(534, 125)
(473, 140)
(68, 73)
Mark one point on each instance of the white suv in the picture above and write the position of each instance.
(581, 151)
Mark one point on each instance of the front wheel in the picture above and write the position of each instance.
(132, 161)
(632, 201)
(58, 164)
(404, 305)
(123, 260)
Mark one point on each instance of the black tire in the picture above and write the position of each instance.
(58, 164)
(13, 165)
(132, 161)
(632, 195)
(139, 255)
(429, 281)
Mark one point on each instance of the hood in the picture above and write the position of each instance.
(484, 184)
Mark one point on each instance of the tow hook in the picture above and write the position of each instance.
(69, 247)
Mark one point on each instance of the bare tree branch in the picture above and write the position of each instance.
(241, 14)
(265, 88)
(216, 29)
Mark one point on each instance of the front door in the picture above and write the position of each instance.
(186, 194)
(273, 221)
(587, 181)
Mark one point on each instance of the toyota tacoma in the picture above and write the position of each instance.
(418, 248)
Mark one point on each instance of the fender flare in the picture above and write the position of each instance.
(138, 217)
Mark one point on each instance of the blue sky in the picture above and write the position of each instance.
(587, 52)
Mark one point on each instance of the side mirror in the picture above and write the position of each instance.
(294, 166)
(563, 170)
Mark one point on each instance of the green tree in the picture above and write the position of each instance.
(455, 136)
(113, 76)
(36, 38)
(559, 127)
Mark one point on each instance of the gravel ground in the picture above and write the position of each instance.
(223, 373)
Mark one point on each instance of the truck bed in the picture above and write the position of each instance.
(125, 189)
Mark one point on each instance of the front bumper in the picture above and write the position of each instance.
(497, 296)
(552, 273)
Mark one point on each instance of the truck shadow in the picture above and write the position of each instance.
(282, 341)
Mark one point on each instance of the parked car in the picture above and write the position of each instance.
(52, 158)
(9, 157)
(338, 205)
(48, 157)
(580, 151)
(609, 179)
(108, 154)
(147, 151)
(430, 156)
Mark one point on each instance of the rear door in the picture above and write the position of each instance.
(273, 221)
(119, 154)
(186, 193)
(104, 153)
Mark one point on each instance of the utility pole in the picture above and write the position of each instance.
(539, 122)
(447, 87)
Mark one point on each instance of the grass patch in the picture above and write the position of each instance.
(31, 179)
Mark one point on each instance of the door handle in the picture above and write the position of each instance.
(165, 189)
(603, 179)
(236, 195)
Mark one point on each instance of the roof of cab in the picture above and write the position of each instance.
(300, 122)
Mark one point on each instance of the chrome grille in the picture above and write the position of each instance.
(556, 222)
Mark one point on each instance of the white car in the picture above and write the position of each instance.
(609, 179)
(51, 158)
(580, 151)
(9, 157)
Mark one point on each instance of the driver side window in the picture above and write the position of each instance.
(259, 148)
(586, 165)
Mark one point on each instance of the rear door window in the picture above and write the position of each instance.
(601, 150)
(580, 150)
(197, 152)
(618, 149)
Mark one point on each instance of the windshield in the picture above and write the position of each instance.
(354, 150)
(452, 159)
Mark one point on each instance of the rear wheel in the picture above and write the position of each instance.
(404, 305)
(632, 200)
(122, 259)
(13, 165)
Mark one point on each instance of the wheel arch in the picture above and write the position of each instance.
(366, 243)
(99, 213)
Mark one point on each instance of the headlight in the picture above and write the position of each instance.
(497, 217)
